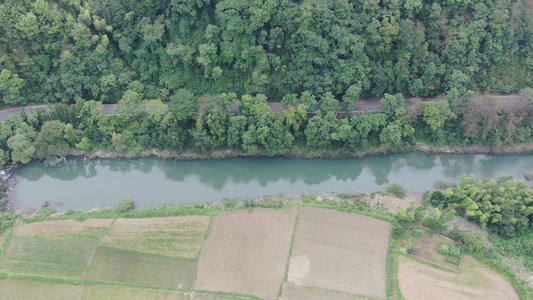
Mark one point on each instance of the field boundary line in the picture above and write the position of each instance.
(316, 289)
(57, 237)
(96, 245)
(290, 253)
(146, 253)
(206, 235)
(429, 263)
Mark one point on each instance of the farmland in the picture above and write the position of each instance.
(170, 236)
(111, 264)
(247, 252)
(340, 251)
(49, 257)
(299, 252)
(29, 289)
(474, 282)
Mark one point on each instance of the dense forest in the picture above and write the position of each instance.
(60, 50)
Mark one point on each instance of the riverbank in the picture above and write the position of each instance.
(519, 148)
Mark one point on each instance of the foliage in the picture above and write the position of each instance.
(453, 259)
(397, 190)
(444, 249)
(125, 205)
(474, 241)
(505, 204)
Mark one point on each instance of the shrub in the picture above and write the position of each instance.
(396, 189)
(528, 247)
(474, 241)
(416, 234)
(453, 259)
(309, 198)
(440, 184)
(457, 235)
(126, 204)
(528, 175)
(248, 202)
(46, 212)
(438, 199)
(229, 202)
(444, 249)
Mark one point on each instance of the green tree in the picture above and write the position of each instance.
(391, 103)
(50, 142)
(437, 113)
(183, 105)
(22, 148)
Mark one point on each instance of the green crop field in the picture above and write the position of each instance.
(110, 264)
(50, 257)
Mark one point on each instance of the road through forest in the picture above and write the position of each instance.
(362, 105)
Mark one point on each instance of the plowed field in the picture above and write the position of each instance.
(339, 251)
(246, 252)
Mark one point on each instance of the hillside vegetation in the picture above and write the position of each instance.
(58, 50)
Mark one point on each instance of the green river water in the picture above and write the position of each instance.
(81, 183)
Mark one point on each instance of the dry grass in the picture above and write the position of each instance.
(36, 290)
(123, 293)
(109, 264)
(246, 252)
(340, 251)
(91, 228)
(418, 281)
(292, 292)
(171, 236)
(49, 257)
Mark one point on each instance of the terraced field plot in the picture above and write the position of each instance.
(418, 280)
(292, 292)
(50, 257)
(36, 290)
(246, 252)
(91, 228)
(340, 251)
(171, 236)
(110, 264)
(123, 293)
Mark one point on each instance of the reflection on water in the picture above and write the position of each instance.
(82, 183)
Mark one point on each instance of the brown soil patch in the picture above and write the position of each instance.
(36, 290)
(420, 281)
(246, 252)
(340, 251)
(293, 292)
(393, 204)
(91, 228)
(180, 236)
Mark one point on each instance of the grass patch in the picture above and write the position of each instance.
(110, 264)
(48, 257)
(28, 289)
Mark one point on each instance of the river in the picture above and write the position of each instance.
(81, 183)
